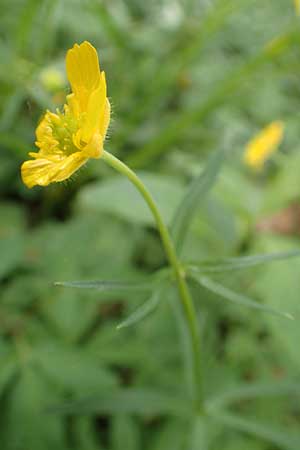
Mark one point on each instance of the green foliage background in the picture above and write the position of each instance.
(185, 78)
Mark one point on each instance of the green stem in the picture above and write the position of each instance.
(179, 273)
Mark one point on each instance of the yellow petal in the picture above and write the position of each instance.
(73, 104)
(104, 121)
(264, 144)
(95, 111)
(297, 6)
(42, 171)
(83, 71)
(43, 127)
(94, 148)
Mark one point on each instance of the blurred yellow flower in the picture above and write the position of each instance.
(297, 6)
(263, 145)
(66, 140)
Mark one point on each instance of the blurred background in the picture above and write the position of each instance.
(185, 78)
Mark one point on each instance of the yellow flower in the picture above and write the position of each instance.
(263, 145)
(297, 6)
(66, 140)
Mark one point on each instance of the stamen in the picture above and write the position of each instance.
(63, 126)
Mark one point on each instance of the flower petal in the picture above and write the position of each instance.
(83, 71)
(264, 144)
(95, 111)
(104, 121)
(94, 148)
(73, 105)
(42, 171)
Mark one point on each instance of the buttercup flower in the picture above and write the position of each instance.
(297, 6)
(66, 140)
(263, 145)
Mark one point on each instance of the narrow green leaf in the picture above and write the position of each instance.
(125, 430)
(239, 299)
(85, 434)
(229, 264)
(143, 311)
(131, 401)
(172, 435)
(253, 391)
(107, 286)
(195, 194)
(284, 439)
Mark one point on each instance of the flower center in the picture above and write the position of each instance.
(63, 127)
